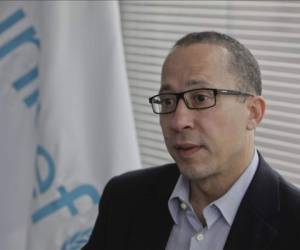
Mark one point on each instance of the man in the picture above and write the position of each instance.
(224, 196)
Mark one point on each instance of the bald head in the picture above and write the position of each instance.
(240, 61)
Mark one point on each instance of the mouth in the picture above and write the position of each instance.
(187, 149)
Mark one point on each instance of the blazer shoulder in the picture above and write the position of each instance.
(143, 181)
(275, 183)
(289, 213)
(290, 196)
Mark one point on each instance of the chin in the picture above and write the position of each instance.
(194, 171)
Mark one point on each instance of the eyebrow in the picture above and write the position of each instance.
(199, 82)
(164, 87)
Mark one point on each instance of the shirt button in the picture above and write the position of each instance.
(200, 236)
(183, 206)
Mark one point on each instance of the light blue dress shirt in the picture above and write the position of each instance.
(188, 233)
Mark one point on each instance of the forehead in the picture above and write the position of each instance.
(201, 65)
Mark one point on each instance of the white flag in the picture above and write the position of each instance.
(19, 49)
(83, 120)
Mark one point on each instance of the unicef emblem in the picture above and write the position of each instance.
(78, 240)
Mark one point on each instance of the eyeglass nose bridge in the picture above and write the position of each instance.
(181, 96)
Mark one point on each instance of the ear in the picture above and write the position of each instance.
(256, 107)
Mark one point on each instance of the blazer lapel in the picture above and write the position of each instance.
(256, 225)
(163, 226)
(250, 232)
(152, 233)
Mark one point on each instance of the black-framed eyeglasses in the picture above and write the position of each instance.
(203, 98)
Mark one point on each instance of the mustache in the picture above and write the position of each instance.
(185, 137)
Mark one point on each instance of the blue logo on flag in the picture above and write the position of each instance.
(25, 37)
(64, 196)
(78, 240)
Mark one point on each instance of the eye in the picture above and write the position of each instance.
(200, 98)
(167, 101)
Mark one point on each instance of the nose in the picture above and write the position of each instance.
(182, 118)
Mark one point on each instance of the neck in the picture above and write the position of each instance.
(205, 191)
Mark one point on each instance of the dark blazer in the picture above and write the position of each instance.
(133, 212)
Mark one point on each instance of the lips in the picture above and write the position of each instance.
(187, 149)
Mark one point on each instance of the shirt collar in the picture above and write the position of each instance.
(227, 204)
(237, 191)
(179, 195)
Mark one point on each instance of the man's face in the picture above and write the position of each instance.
(208, 142)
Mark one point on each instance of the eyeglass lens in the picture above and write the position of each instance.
(194, 99)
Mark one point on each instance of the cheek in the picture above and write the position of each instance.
(231, 130)
(220, 131)
(164, 127)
